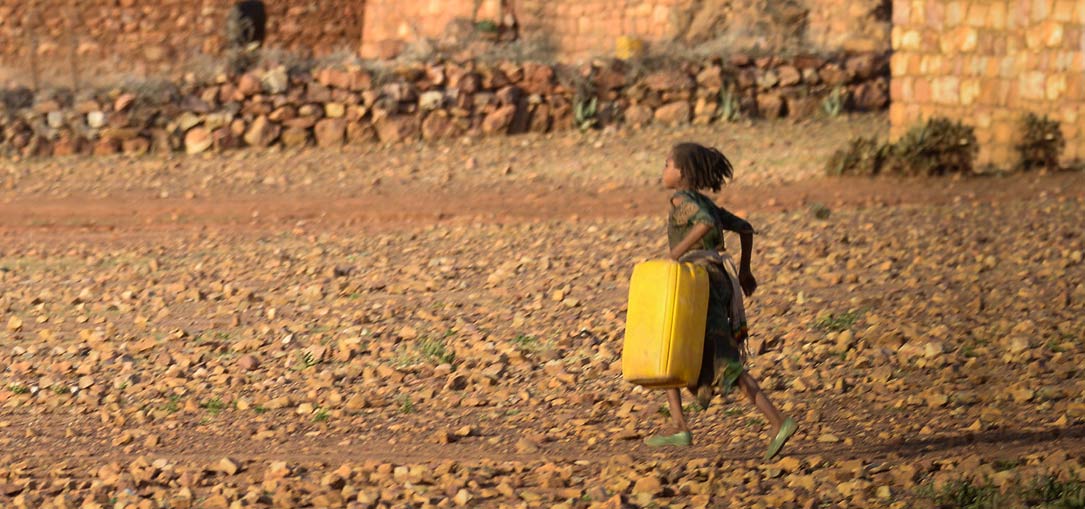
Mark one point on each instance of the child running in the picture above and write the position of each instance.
(695, 230)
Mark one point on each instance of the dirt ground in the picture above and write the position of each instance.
(441, 326)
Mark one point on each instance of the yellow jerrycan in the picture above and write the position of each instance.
(665, 324)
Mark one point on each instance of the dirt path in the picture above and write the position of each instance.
(179, 289)
(406, 207)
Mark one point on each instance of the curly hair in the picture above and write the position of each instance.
(702, 167)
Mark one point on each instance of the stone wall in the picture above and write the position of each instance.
(988, 63)
(332, 106)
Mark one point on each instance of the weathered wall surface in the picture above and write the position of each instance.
(577, 29)
(155, 36)
(988, 63)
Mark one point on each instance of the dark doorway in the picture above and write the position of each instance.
(246, 24)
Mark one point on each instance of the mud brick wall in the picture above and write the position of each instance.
(988, 63)
(156, 34)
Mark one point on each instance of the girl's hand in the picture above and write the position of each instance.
(747, 281)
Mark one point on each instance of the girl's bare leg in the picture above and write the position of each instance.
(681, 437)
(674, 398)
(757, 397)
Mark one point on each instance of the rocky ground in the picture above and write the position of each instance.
(441, 326)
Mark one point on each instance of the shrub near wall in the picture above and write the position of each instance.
(333, 106)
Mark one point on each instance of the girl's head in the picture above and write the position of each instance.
(697, 167)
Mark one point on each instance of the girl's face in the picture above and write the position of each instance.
(672, 176)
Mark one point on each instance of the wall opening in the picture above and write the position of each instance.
(246, 25)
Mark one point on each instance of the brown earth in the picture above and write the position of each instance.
(440, 325)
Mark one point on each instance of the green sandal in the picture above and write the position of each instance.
(683, 439)
(786, 430)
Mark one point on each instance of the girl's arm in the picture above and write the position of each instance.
(692, 238)
(745, 276)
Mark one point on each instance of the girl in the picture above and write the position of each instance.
(695, 231)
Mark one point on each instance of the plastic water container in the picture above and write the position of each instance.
(665, 324)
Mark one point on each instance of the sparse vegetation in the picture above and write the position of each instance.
(18, 388)
(585, 111)
(963, 494)
(486, 26)
(820, 211)
(839, 322)
(863, 156)
(173, 405)
(729, 109)
(435, 350)
(213, 406)
(526, 343)
(939, 147)
(406, 406)
(834, 103)
(1041, 143)
(305, 360)
(1047, 491)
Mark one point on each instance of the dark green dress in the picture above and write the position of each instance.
(722, 362)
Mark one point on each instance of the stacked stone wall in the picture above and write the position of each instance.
(336, 106)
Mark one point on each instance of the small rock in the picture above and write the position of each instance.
(248, 362)
(789, 76)
(275, 80)
(525, 446)
(431, 100)
(15, 324)
(462, 498)
(1017, 344)
(396, 129)
(330, 132)
(770, 106)
(295, 137)
(672, 80)
(639, 115)
(674, 114)
(335, 110)
(54, 119)
(262, 132)
(933, 349)
(650, 485)
(249, 85)
(499, 121)
(123, 102)
(198, 140)
(227, 466)
(443, 437)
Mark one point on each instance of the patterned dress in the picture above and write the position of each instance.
(723, 358)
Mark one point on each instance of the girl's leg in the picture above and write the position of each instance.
(757, 397)
(674, 399)
(682, 436)
(782, 428)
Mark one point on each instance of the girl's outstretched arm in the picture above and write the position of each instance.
(745, 276)
(692, 238)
